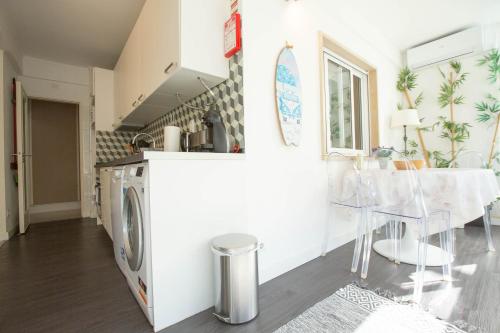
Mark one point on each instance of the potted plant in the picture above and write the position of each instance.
(383, 156)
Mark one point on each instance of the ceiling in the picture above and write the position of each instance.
(93, 32)
(77, 32)
(406, 23)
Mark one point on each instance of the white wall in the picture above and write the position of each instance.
(54, 71)
(3, 210)
(474, 90)
(10, 62)
(9, 67)
(287, 186)
(8, 189)
(8, 41)
(66, 83)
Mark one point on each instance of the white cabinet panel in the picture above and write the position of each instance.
(202, 36)
(119, 90)
(165, 100)
(103, 91)
(160, 36)
(105, 177)
(133, 70)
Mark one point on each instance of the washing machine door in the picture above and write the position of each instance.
(133, 233)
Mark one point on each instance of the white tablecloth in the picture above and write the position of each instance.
(464, 192)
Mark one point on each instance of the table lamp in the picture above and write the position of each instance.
(404, 118)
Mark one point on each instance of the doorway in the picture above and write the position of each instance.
(54, 173)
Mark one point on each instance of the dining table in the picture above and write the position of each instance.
(465, 193)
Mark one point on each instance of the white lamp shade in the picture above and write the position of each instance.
(407, 117)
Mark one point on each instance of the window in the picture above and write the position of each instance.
(347, 118)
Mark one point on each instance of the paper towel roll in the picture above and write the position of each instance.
(172, 138)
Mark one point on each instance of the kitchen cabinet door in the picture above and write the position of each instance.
(103, 86)
(119, 89)
(160, 47)
(202, 36)
(105, 177)
(132, 71)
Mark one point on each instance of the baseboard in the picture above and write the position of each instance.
(14, 231)
(340, 240)
(275, 269)
(5, 236)
(55, 207)
(55, 216)
(55, 212)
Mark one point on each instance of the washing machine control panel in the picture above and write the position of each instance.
(136, 171)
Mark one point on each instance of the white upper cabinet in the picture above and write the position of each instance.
(127, 76)
(119, 109)
(133, 69)
(172, 44)
(202, 36)
(102, 91)
(160, 37)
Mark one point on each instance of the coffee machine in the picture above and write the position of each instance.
(213, 138)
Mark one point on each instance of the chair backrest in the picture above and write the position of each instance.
(346, 185)
(468, 159)
(406, 196)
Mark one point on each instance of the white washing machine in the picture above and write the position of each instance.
(137, 236)
(117, 195)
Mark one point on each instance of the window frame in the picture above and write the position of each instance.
(327, 56)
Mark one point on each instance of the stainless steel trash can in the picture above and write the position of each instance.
(236, 277)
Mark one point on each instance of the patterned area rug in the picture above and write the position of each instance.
(354, 309)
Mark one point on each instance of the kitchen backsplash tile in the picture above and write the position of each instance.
(112, 145)
(229, 102)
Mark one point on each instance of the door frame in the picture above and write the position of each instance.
(23, 154)
(68, 204)
(66, 92)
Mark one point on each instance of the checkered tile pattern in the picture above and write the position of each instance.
(111, 145)
(229, 102)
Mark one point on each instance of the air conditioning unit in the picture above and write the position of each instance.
(464, 43)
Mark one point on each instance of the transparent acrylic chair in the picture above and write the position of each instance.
(474, 160)
(350, 190)
(409, 207)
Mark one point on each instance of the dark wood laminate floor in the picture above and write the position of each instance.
(62, 277)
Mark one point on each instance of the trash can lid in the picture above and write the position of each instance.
(235, 243)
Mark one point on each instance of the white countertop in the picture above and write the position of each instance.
(162, 155)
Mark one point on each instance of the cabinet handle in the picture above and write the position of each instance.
(169, 67)
(134, 104)
(141, 96)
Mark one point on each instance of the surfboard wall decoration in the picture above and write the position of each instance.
(289, 97)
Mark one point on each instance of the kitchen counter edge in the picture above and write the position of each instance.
(160, 155)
